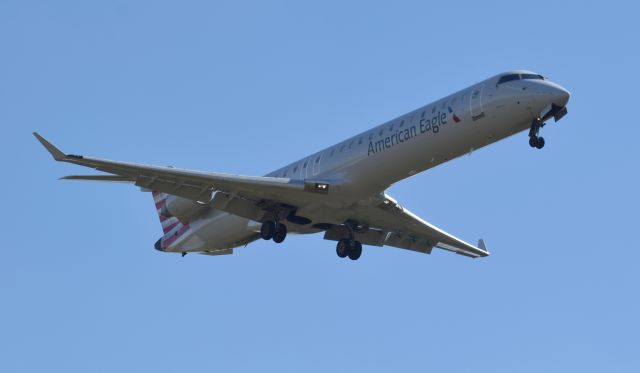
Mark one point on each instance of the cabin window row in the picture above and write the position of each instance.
(401, 124)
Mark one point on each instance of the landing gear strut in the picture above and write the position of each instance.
(350, 248)
(536, 141)
(273, 230)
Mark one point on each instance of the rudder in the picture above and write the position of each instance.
(168, 222)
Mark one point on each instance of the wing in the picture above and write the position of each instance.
(195, 185)
(393, 225)
(249, 196)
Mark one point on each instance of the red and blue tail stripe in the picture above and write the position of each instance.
(172, 228)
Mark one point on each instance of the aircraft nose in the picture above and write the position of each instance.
(560, 96)
(548, 93)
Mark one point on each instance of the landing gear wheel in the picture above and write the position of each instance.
(267, 230)
(356, 251)
(343, 248)
(280, 233)
(536, 141)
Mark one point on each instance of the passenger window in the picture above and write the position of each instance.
(341, 148)
(350, 144)
(423, 113)
(381, 131)
(360, 141)
(332, 151)
(391, 128)
(402, 123)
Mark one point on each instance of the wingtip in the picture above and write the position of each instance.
(482, 246)
(55, 152)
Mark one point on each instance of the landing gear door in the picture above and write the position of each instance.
(475, 103)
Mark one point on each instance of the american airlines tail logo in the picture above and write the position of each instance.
(173, 229)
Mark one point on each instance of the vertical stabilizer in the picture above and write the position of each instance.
(168, 222)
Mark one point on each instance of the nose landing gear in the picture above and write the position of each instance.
(536, 141)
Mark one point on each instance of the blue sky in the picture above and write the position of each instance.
(245, 87)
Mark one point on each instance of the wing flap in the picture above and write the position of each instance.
(111, 178)
(409, 242)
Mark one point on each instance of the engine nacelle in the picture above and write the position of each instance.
(182, 208)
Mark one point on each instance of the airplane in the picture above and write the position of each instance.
(340, 190)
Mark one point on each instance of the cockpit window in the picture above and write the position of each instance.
(532, 76)
(508, 78)
(511, 77)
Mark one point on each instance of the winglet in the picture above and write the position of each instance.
(482, 246)
(55, 152)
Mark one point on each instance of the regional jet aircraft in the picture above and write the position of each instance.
(340, 190)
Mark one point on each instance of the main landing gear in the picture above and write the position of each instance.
(350, 248)
(536, 141)
(272, 230)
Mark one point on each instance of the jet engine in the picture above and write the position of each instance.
(182, 208)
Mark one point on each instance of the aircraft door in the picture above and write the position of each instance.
(475, 102)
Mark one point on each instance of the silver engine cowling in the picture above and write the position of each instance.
(184, 209)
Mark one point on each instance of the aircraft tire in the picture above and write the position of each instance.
(343, 248)
(267, 230)
(280, 233)
(356, 250)
(540, 143)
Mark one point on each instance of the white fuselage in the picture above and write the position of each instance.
(368, 163)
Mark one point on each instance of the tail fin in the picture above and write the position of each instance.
(168, 222)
